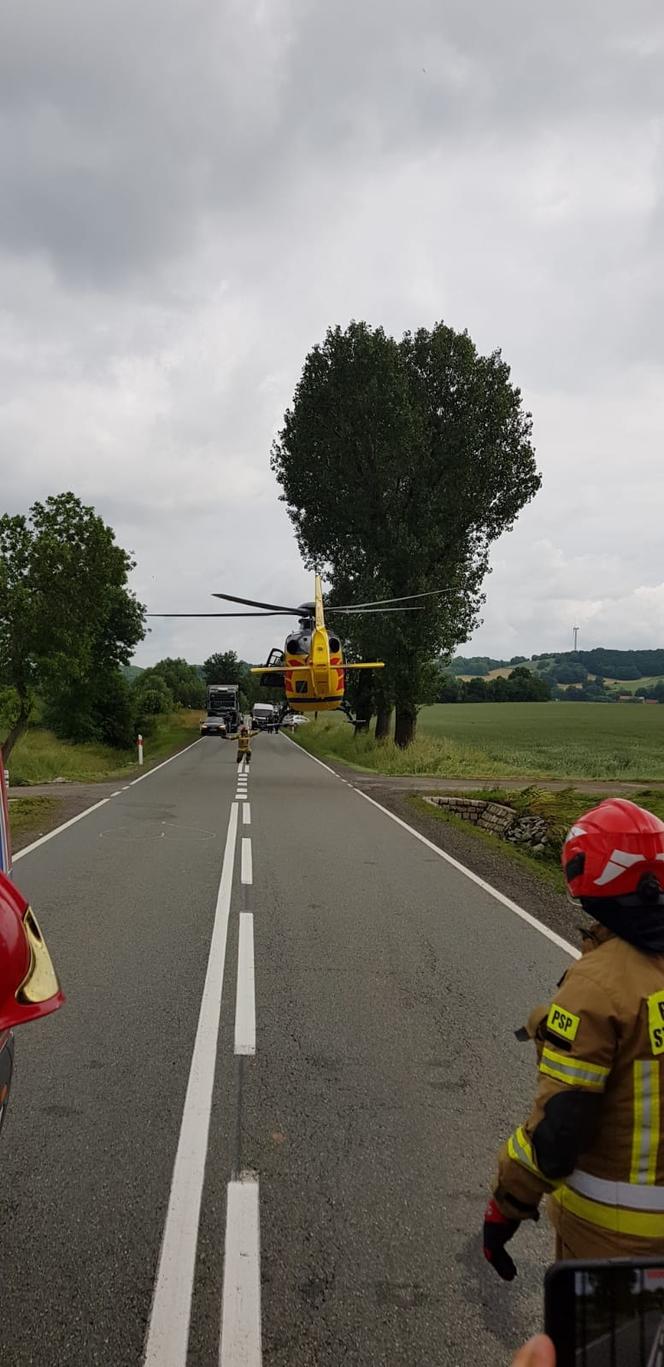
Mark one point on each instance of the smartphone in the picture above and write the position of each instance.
(607, 1313)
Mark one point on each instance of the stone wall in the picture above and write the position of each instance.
(531, 831)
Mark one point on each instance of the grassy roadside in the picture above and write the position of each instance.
(489, 741)
(31, 816)
(560, 809)
(40, 757)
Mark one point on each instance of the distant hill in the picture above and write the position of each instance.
(619, 665)
(130, 672)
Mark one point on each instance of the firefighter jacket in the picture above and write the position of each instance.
(244, 742)
(593, 1140)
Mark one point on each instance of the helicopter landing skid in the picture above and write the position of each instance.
(360, 723)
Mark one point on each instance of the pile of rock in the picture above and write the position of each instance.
(503, 821)
(532, 831)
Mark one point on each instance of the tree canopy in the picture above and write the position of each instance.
(183, 681)
(68, 621)
(400, 463)
(224, 667)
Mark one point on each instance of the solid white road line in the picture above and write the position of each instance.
(27, 849)
(164, 762)
(241, 1304)
(246, 814)
(168, 1332)
(461, 868)
(245, 1000)
(246, 869)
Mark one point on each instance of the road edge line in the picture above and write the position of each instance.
(461, 868)
(163, 762)
(27, 849)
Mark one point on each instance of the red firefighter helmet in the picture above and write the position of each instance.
(615, 851)
(29, 987)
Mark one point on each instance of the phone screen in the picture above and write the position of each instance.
(606, 1314)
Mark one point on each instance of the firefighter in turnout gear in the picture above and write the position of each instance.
(244, 740)
(593, 1140)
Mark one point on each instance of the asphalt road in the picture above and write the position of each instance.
(353, 1116)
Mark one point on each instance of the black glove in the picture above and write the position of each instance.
(498, 1230)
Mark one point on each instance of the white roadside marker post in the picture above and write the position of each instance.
(139, 743)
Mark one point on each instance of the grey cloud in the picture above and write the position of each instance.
(191, 193)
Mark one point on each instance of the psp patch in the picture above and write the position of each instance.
(656, 1022)
(563, 1022)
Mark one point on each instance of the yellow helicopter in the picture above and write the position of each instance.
(311, 667)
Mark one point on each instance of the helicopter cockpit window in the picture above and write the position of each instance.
(300, 685)
(334, 644)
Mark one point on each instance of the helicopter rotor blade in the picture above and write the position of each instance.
(254, 603)
(378, 602)
(285, 613)
(367, 612)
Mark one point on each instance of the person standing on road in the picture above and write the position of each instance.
(245, 737)
(593, 1140)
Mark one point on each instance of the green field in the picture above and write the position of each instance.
(510, 740)
(39, 757)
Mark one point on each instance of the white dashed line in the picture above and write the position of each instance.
(241, 1305)
(245, 1000)
(246, 814)
(168, 1333)
(120, 790)
(246, 869)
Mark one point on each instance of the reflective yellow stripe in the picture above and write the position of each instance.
(645, 1135)
(576, 1072)
(640, 1223)
(520, 1149)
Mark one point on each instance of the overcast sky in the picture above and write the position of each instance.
(191, 192)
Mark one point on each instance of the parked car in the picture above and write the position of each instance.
(213, 726)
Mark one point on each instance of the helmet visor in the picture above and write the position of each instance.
(40, 983)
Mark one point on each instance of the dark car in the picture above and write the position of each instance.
(213, 726)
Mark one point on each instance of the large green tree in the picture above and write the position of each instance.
(400, 463)
(183, 681)
(226, 667)
(67, 618)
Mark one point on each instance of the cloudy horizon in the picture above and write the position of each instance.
(193, 194)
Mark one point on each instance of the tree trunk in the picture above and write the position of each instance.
(404, 724)
(383, 718)
(16, 729)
